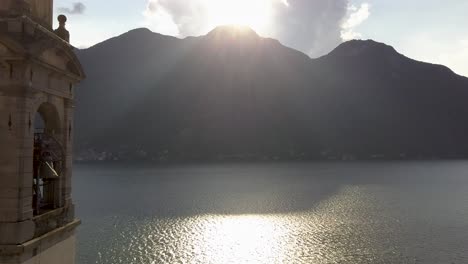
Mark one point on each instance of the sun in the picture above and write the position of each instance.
(197, 17)
(256, 14)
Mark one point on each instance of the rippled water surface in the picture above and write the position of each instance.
(392, 212)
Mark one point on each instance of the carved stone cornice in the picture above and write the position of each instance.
(29, 40)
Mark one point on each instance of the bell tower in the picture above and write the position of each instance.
(41, 11)
(38, 74)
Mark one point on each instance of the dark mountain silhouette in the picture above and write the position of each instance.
(233, 94)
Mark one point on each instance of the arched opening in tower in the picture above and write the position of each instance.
(48, 159)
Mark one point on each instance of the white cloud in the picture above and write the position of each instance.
(312, 26)
(177, 17)
(197, 17)
(159, 20)
(78, 8)
(356, 16)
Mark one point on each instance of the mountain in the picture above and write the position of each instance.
(232, 94)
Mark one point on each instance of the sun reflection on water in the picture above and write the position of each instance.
(334, 231)
(242, 239)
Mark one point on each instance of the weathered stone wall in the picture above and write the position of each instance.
(36, 76)
(42, 10)
(55, 247)
(16, 146)
(21, 96)
(55, 254)
(5, 5)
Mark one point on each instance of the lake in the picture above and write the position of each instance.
(381, 212)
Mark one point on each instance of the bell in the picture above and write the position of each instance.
(47, 171)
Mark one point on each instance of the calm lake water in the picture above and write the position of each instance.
(389, 212)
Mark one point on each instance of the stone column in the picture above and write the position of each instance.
(68, 148)
(25, 148)
(9, 164)
(15, 169)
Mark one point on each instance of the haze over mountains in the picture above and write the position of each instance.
(235, 95)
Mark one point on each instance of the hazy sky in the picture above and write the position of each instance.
(428, 30)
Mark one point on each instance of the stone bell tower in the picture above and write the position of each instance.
(38, 72)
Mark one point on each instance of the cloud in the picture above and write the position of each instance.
(78, 8)
(356, 16)
(160, 20)
(180, 17)
(312, 26)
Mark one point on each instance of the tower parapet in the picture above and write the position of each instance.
(39, 10)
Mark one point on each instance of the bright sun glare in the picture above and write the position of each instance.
(256, 14)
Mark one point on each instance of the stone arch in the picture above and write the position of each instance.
(50, 117)
(51, 109)
(48, 157)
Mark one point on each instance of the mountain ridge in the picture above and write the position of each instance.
(147, 31)
(228, 95)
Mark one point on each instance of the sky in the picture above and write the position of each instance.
(433, 31)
